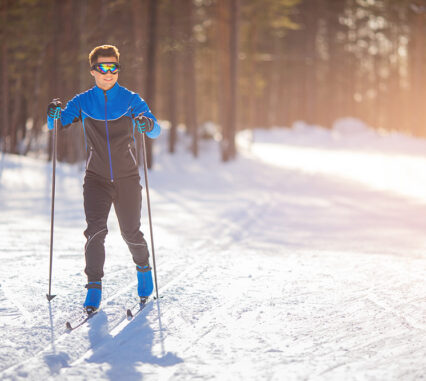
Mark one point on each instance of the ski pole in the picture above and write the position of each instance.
(149, 212)
(52, 209)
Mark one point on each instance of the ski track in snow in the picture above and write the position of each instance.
(268, 269)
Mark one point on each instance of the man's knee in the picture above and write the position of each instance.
(138, 247)
(134, 238)
(95, 235)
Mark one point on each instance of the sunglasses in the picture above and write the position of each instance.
(104, 67)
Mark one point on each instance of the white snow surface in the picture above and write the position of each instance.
(303, 259)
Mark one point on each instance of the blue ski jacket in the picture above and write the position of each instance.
(109, 129)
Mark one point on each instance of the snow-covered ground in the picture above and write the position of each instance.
(303, 259)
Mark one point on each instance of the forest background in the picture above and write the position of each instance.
(215, 67)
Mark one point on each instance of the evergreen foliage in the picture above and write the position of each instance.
(239, 63)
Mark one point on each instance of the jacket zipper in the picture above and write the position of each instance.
(133, 156)
(107, 135)
(90, 157)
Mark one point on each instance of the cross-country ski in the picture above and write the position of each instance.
(70, 326)
(136, 308)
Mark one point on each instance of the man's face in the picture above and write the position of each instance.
(108, 80)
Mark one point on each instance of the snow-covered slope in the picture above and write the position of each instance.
(303, 259)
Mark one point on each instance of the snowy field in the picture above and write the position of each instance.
(304, 259)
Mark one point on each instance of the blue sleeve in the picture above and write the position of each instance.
(69, 115)
(138, 105)
(72, 112)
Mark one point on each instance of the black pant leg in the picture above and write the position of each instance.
(127, 204)
(98, 195)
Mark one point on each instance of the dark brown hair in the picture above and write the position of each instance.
(103, 51)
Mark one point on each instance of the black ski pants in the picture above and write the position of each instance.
(99, 194)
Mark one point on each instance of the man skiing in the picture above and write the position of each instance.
(109, 114)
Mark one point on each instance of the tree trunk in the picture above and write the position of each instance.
(172, 94)
(334, 73)
(310, 84)
(418, 71)
(276, 82)
(151, 69)
(83, 82)
(189, 77)
(5, 78)
(54, 59)
(228, 53)
(139, 20)
(15, 120)
(250, 112)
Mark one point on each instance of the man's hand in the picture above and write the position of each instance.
(144, 123)
(54, 109)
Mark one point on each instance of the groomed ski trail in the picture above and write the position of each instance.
(323, 278)
(64, 351)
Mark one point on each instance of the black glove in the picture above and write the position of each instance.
(144, 123)
(54, 109)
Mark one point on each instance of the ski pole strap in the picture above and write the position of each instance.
(55, 112)
(143, 269)
(97, 285)
(144, 124)
(51, 119)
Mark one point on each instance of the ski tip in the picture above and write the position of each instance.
(129, 313)
(68, 325)
(50, 297)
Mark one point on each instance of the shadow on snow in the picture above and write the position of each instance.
(130, 348)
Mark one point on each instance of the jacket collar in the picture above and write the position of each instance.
(111, 93)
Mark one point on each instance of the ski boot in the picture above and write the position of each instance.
(145, 284)
(93, 298)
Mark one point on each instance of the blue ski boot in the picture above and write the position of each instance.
(145, 284)
(93, 298)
